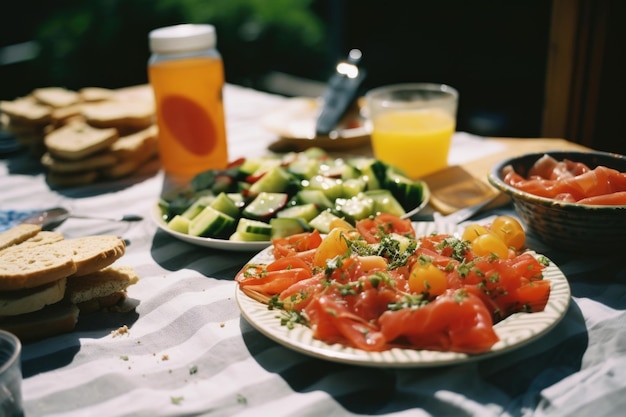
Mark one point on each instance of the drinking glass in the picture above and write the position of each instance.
(10, 375)
(412, 125)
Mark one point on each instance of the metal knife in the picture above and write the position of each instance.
(340, 93)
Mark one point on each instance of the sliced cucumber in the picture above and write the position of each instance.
(331, 187)
(350, 172)
(304, 168)
(305, 212)
(409, 193)
(273, 181)
(356, 208)
(224, 204)
(197, 206)
(254, 227)
(287, 226)
(250, 166)
(179, 224)
(238, 199)
(265, 205)
(265, 164)
(248, 237)
(251, 231)
(368, 174)
(316, 197)
(211, 223)
(322, 221)
(385, 202)
(353, 186)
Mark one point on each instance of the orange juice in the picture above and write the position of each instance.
(190, 114)
(187, 77)
(417, 141)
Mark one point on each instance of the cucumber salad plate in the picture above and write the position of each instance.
(255, 200)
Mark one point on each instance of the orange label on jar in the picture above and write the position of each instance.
(190, 124)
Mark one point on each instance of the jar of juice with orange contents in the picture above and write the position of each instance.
(186, 73)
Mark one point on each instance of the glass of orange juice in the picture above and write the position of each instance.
(412, 125)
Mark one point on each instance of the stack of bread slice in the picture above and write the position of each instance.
(46, 280)
(84, 136)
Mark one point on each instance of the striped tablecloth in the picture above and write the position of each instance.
(188, 351)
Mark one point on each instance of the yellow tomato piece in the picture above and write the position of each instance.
(371, 262)
(490, 244)
(472, 231)
(427, 279)
(340, 224)
(332, 245)
(510, 231)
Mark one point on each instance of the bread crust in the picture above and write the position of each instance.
(44, 237)
(126, 116)
(92, 162)
(55, 96)
(27, 110)
(29, 267)
(92, 253)
(50, 321)
(18, 234)
(101, 303)
(78, 140)
(101, 283)
(13, 303)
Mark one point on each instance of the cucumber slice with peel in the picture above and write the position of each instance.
(179, 224)
(356, 208)
(254, 227)
(275, 180)
(322, 221)
(197, 206)
(305, 212)
(331, 187)
(224, 204)
(211, 223)
(316, 197)
(385, 202)
(287, 226)
(265, 206)
(409, 193)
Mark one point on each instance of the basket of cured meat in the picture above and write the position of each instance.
(572, 201)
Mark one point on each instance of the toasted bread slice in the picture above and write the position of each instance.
(64, 180)
(29, 267)
(78, 140)
(106, 302)
(125, 116)
(56, 96)
(101, 283)
(44, 237)
(89, 163)
(13, 303)
(63, 115)
(92, 253)
(26, 110)
(18, 234)
(139, 145)
(50, 321)
(91, 94)
(133, 152)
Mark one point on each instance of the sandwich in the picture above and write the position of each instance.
(46, 281)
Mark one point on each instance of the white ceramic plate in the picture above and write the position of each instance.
(207, 242)
(233, 245)
(514, 332)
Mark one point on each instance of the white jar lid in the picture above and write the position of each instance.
(182, 38)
